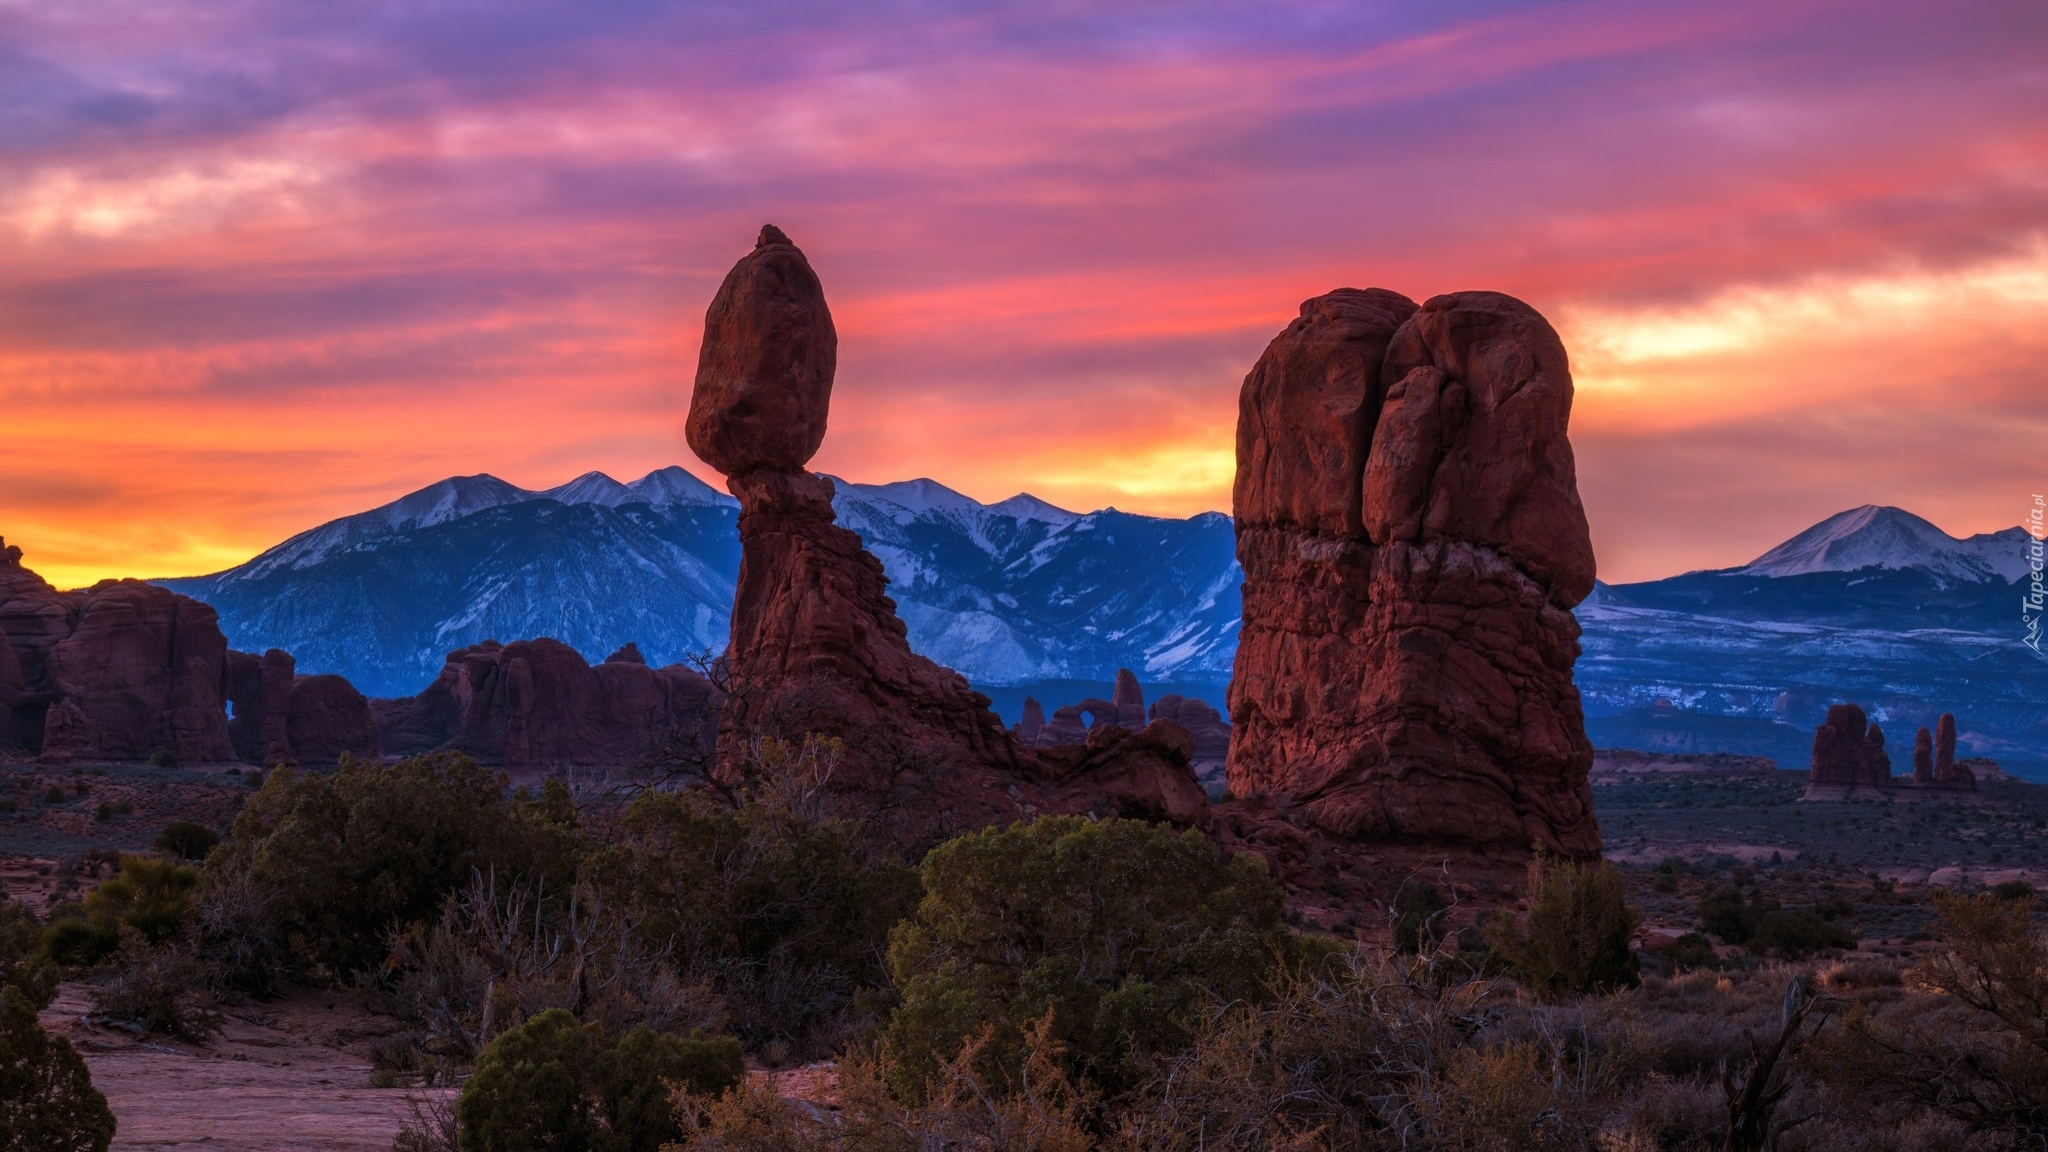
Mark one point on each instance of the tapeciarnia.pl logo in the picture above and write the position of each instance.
(2032, 606)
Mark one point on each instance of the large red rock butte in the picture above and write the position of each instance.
(119, 671)
(1409, 525)
(816, 645)
(280, 717)
(536, 704)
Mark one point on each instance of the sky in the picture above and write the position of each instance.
(266, 263)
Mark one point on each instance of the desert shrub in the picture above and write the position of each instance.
(1724, 912)
(1418, 913)
(55, 795)
(1123, 931)
(147, 894)
(1975, 1051)
(159, 990)
(337, 860)
(1044, 1111)
(1578, 932)
(500, 954)
(784, 913)
(186, 840)
(23, 966)
(1525, 1095)
(47, 1101)
(1691, 951)
(163, 758)
(1797, 934)
(552, 1083)
(2012, 889)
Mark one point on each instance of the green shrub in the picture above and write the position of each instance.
(1121, 931)
(148, 894)
(22, 964)
(186, 840)
(552, 1084)
(1798, 934)
(1691, 951)
(338, 860)
(1418, 915)
(785, 915)
(1724, 912)
(47, 1101)
(1578, 933)
(163, 758)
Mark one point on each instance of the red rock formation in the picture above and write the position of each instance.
(1033, 722)
(537, 704)
(816, 645)
(1409, 525)
(327, 717)
(1923, 758)
(1202, 722)
(1848, 751)
(260, 696)
(1945, 747)
(118, 671)
(1128, 699)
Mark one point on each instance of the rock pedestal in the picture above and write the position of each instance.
(817, 647)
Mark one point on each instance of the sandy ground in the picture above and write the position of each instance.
(280, 1076)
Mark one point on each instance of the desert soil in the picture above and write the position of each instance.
(282, 1076)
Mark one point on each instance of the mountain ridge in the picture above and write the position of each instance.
(1021, 592)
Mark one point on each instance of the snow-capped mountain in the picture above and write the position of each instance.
(1007, 593)
(1875, 605)
(1876, 536)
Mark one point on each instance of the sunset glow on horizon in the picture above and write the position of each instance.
(270, 264)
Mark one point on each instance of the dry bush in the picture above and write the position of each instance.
(502, 953)
(159, 990)
(1970, 1043)
(1037, 1109)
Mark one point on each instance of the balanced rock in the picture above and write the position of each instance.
(764, 371)
(118, 671)
(816, 646)
(1410, 530)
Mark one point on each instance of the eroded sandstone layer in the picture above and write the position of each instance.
(1410, 530)
(118, 671)
(817, 647)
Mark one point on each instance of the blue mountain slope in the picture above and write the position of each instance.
(1009, 593)
(1873, 605)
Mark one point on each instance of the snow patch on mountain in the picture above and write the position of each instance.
(1877, 536)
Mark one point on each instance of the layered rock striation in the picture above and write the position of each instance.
(1409, 525)
(816, 645)
(120, 671)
